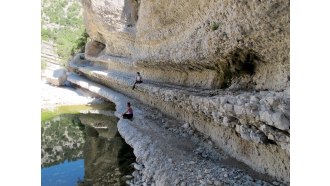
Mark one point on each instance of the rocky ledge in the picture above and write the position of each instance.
(251, 126)
(220, 67)
(171, 152)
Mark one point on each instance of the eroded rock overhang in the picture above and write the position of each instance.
(210, 44)
(222, 66)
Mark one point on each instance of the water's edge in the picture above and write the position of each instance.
(166, 153)
(87, 135)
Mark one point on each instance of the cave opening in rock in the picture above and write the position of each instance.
(94, 48)
(237, 65)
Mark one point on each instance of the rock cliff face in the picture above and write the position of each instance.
(221, 66)
(209, 44)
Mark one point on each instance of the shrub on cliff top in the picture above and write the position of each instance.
(62, 23)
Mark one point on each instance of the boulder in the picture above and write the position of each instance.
(56, 77)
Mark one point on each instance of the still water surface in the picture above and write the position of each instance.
(67, 173)
(80, 145)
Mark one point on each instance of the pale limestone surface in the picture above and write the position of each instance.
(227, 108)
(208, 38)
(264, 148)
(56, 77)
(53, 96)
(186, 51)
(169, 152)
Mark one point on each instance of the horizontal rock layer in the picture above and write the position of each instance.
(219, 41)
(220, 66)
(251, 126)
(170, 152)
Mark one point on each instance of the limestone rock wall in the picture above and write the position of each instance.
(221, 66)
(110, 24)
(241, 41)
(170, 152)
(252, 127)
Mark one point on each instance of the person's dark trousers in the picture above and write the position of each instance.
(136, 82)
(127, 116)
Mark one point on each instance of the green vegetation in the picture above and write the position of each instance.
(63, 131)
(48, 34)
(73, 109)
(62, 23)
(214, 25)
(43, 65)
(60, 132)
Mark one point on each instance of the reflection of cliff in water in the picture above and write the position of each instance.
(62, 138)
(107, 156)
(92, 137)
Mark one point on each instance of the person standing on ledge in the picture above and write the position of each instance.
(128, 114)
(138, 79)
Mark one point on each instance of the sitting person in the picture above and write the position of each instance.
(138, 79)
(128, 114)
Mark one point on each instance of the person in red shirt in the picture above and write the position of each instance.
(128, 114)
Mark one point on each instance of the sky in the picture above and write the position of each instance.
(20, 44)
